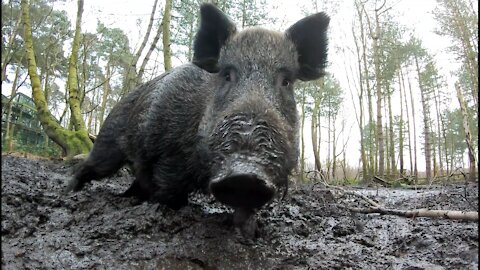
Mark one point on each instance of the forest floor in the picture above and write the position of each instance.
(308, 229)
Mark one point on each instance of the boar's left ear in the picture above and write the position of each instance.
(310, 38)
(215, 29)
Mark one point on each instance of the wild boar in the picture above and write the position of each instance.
(227, 122)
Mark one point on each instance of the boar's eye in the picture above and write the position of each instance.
(284, 78)
(229, 74)
(286, 82)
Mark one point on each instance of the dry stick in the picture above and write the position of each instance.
(448, 214)
(353, 193)
(376, 208)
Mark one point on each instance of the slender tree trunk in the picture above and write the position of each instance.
(132, 78)
(380, 136)
(365, 172)
(6, 56)
(371, 130)
(334, 150)
(8, 133)
(72, 143)
(426, 125)
(415, 168)
(400, 127)
(190, 40)
(302, 138)
(315, 125)
(439, 133)
(106, 93)
(468, 135)
(150, 50)
(393, 169)
(167, 55)
(470, 55)
(73, 98)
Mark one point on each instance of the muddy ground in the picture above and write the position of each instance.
(97, 229)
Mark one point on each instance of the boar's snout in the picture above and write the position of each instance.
(242, 184)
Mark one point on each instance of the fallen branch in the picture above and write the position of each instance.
(381, 181)
(448, 214)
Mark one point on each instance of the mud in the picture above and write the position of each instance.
(97, 229)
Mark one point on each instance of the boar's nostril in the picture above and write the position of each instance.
(244, 190)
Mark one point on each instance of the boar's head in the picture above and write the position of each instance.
(250, 127)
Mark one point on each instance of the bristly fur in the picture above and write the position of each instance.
(235, 99)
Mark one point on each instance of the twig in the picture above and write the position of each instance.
(448, 214)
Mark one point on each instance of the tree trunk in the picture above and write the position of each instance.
(470, 55)
(468, 135)
(315, 125)
(415, 169)
(106, 93)
(393, 169)
(400, 126)
(334, 150)
(360, 120)
(439, 124)
(132, 78)
(72, 142)
(72, 82)
(167, 55)
(378, 80)
(426, 125)
(150, 50)
(408, 120)
(8, 131)
(371, 130)
(6, 56)
(302, 138)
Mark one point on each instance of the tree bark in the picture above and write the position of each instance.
(365, 172)
(106, 93)
(72, 82)
(439, 125)
(426, 125)
(371, 130)
(167, 55)
(376, 60)
(400, 127)
(149, 53)
(315, 125)
(302, 138)
(8, 130)
(415, 168)
(72, 142)
(132, 78)
(468, 135)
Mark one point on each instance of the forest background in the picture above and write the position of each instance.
(400, 99)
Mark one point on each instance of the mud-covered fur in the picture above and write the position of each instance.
(236, 99)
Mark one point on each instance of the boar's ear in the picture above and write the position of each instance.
(310, 38)
(215, 29)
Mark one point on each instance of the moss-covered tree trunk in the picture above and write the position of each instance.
(72, 142)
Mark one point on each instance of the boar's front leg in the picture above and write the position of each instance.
(152, 183)
(105, 159)
(141, 187)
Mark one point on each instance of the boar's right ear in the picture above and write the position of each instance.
(310, 38)
(215, 29)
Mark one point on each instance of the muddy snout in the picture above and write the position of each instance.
(242, 184)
